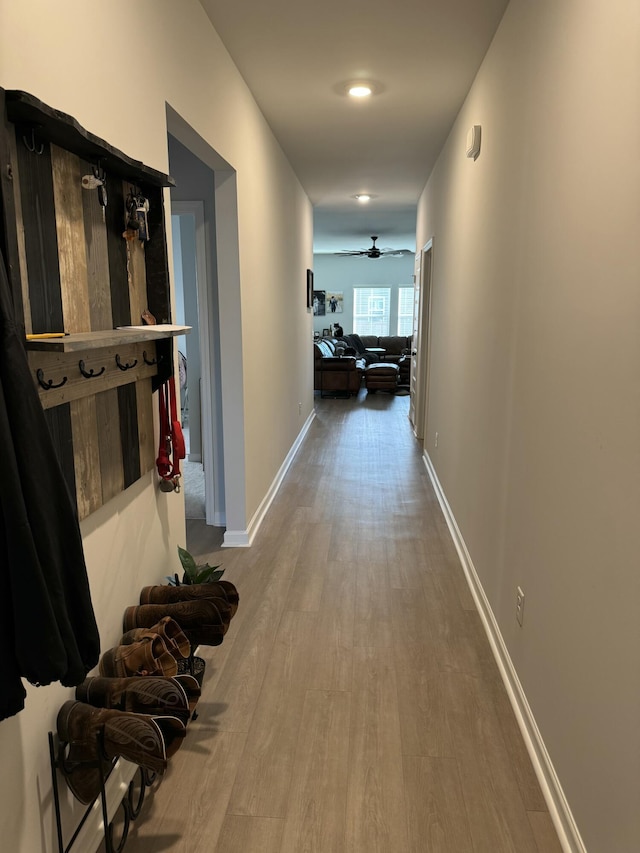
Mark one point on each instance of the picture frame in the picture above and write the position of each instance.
(309, 288)
(319, 302)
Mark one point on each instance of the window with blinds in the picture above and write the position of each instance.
(405, 311)
(371, 308)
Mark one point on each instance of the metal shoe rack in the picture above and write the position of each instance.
(131, 803)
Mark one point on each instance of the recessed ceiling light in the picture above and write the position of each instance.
(363, 198)
(360, 90)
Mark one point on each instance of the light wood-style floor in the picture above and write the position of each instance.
(354, 705)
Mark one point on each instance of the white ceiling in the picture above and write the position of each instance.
(294, 55)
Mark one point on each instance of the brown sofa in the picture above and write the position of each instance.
(333, 375)
(397, 349)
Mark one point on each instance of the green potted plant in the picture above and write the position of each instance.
(194, 574)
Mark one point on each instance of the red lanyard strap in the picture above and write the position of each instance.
(171, 437)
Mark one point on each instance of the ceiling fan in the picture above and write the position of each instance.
(374, 252)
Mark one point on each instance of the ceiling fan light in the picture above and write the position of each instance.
(363, 198)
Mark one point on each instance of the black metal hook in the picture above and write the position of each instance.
(47, 384)
(31, 146)
(125, 366)
(149, 361)
(88, 374)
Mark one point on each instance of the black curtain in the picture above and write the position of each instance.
(48, 630)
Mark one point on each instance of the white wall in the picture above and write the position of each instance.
(333, 273)
(80, 63)
(535, 379)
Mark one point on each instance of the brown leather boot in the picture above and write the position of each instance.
(200, 620)
(152, 695)
(193, 592)
(148, 656)
(97, 736)
(191, 687)
(224, 590)
(167, 628)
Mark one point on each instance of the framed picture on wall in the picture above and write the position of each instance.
(334, 301)
(319, 302)
(309, 288)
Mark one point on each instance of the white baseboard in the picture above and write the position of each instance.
(559, 809)
(244, 538)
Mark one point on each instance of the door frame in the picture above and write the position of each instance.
(420, 353)
(209, 438)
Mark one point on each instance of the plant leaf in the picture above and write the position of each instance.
(216, 575)
(188, 563)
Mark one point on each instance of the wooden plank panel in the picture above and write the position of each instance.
(305, 591)
(146, 437)
(128, 408)
(16, 230)
(435, 806)
(136, 272)
(59, 423)
(319, 783)
(57, 366)
(156, 257)
(109, 444)
(264, 776)
(72, 256)
(97, 255)
(84, 424)
(242, 834)
(544, 832)
(330, 662)
(424, 723)
(41, 243)
(376, 812)
(117, 252)
(494, 805)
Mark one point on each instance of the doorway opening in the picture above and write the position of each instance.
(207, 289)
(421, 342)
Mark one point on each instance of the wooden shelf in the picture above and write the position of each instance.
(65, 131)
(83, 341)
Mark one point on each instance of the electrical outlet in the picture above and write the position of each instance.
(436, 439)
(519, 605)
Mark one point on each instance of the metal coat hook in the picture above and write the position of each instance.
(31, 145)
(149, 361)
(125, 366)
(88, 374)
(47, 384)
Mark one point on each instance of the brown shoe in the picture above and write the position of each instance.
(225, 601)
(167, 628)
(97, 736)
(200, 620)
(215, 590)
(148, 656)
(152, 695)
(191, 687)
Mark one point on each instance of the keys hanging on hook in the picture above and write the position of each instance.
(97, 181)
(142, 208)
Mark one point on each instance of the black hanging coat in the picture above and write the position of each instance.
(48, 630)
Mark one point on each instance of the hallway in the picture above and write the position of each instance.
(355, 705)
